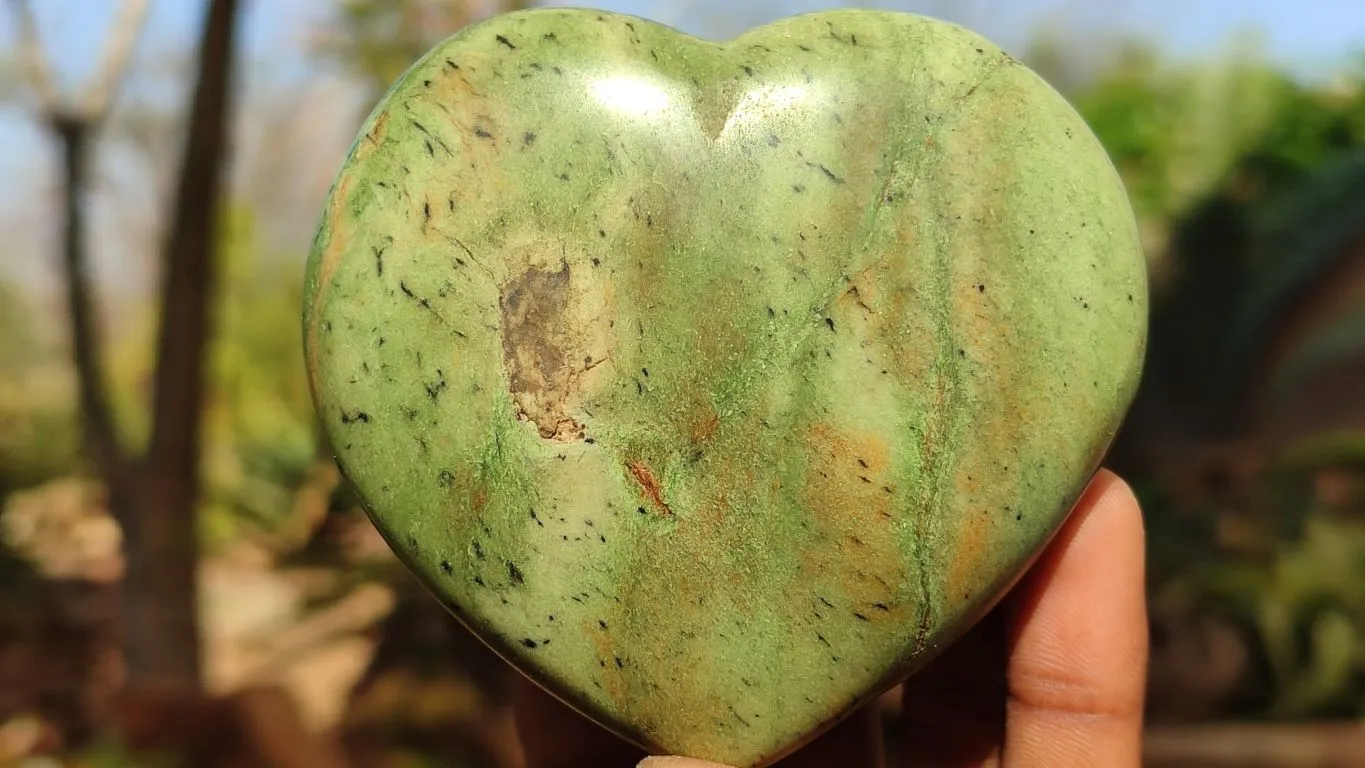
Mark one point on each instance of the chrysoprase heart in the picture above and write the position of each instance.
(718, 385)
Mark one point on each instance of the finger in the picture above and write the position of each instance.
(677, 762)
(553, 735)
(1078, 657)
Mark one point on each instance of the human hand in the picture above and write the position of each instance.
(1054, 677)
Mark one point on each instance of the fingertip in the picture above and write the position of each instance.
(677, 762)
(1079, 639)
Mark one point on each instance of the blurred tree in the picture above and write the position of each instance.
(153, 495)
(379, 39)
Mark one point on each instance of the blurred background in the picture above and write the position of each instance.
(182, 577)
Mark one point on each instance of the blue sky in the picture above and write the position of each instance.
(1310, 35)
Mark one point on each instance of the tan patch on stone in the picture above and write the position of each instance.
(338, 236)
(556, 332)
(858, 549)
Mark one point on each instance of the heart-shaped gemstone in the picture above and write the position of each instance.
(718, 386)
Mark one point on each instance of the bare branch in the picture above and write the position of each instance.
(96, 415)
(127, 25)
(31, 49)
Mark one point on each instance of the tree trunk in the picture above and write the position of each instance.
(162, 642)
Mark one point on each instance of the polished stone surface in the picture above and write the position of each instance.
(718, 386)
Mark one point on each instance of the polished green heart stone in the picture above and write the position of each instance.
(718, 386)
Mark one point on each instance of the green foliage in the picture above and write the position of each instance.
(1302, 602)
(260, 429)
(1249, 185)
(37, 428)
(1175, 133)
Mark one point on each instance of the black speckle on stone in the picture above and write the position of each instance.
(529, 643)
(482, 132)
(435, 388)
(822, 639)
(645, 371)
(379, 258)
(536, 518)
(506, 42)
(601, 233)
(602, 623)
(557, 70)
(478, 580)
(831, 175)
(478, 549)
(962, 353)
(1019, 516)
(603, 538)
(447, 567)
(619, 664)
(412, 541)
(881, 607)
(596, 262)
(859, 616)
(829, 321)
(827, 603)
(402, 286)
(355, 417)
(446, 478)
(514, 573)
(550, 36)
(451, 65)
(641, 510)
(748, 70)
(564, 177)
(528, 138)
